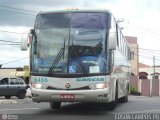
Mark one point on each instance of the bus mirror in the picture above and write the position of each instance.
(24, 41)
(112, 39)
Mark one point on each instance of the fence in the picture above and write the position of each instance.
(147, 87)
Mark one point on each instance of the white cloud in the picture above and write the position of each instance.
(10, 53)
(141, 20)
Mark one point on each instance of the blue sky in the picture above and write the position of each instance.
(141, 20)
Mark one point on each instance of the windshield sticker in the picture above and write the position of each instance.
(90, 79)
(40, 80)
(72, 69)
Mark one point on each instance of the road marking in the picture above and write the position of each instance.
(7, 101)
(19, 109)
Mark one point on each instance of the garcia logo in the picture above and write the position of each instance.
(40, 79)
(90, 79)
(68, 85)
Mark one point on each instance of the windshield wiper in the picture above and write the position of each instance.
(57, 59)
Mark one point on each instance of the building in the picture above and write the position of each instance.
(8, 71)
(133, 45)
(149, 79)
(144, 77)
(16, 72)
(149, 71)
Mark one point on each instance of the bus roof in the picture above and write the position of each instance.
(74, 10)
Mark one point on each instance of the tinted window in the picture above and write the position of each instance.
(59, 20)
(14, 81)
(21, 81)
(4, 81)
(78, 20)
(90, 20)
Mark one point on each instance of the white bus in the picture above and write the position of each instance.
(78, 56)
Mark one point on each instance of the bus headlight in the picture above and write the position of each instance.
(39, 86)
(99, 86)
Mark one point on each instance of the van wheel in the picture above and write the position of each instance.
(21, 94)
(7, 97)
(55, 105)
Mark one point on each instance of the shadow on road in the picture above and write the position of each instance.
(79, 109)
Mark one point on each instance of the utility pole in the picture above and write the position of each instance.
(153, 78)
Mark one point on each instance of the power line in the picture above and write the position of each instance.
(9, 44)
(146, 51)
(147, 57)
(15, 60)
(145, 29)
(8, 41)
(11, 32)
(18, 9)
(149, 53)
(17, 12)
(145, 32)
(151, 50)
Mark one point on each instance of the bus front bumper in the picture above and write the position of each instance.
(98, 95)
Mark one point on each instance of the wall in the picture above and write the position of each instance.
(6, 72)
(147, 86)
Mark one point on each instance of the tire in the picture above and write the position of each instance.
(21, 94)
(55, 105)
(112, 105)
(7, 97)
(125, 98)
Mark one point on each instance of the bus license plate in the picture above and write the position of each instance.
(67, 96)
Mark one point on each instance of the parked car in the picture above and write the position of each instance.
(12, 86)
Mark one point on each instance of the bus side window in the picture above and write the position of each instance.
(117, 29)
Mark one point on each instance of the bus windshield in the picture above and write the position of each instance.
(70, 43)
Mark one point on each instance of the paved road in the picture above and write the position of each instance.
(26, 109)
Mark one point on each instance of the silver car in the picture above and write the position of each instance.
(12, 86)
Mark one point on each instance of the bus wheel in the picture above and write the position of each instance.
(55, 105)
(124, 99)
(113, 104)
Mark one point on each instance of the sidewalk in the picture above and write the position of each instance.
(134, 97)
